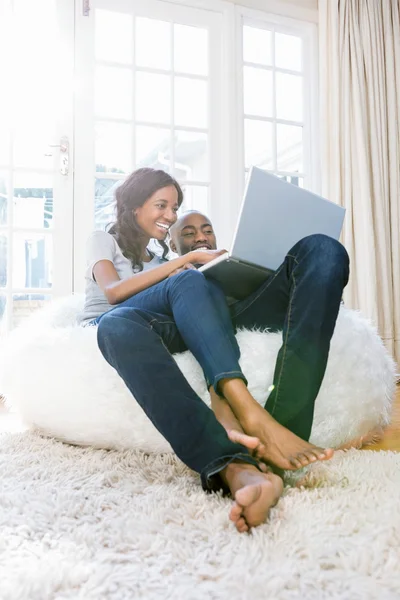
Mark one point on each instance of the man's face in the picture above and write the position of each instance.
(192, 232)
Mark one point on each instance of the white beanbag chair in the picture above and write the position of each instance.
(53, 374)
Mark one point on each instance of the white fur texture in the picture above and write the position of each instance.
(53, 373)
(84, 524)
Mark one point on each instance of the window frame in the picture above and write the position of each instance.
(309, 34)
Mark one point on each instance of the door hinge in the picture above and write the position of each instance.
(85, 7)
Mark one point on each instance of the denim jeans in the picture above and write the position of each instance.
(138, 338)
(187, 311)
(301, 299)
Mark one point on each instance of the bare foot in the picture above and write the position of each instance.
(226, 417)
(281, 447)
(369, 439)
(254, 494)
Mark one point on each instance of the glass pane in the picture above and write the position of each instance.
(195, 198)
(113, 92)
(3, 261)
(32, 260)
(258, 92)
(191, 156)
(191, 102)
(113, 147)
(113, 36)
(153, 98)
(37, 57)
(26, 304)
(257, 45)
(289, 97)
(190, 50)
(258, 144)
(31, 144)
(4, 143)
(289, 148)
(288, 52)
(3, 198)
(153, 43)
(104, 201)
(294, 180)
(33, 200)
(153, 147)
(3, 319)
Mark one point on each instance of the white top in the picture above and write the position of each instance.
(103, 246)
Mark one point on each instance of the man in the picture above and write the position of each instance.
(302, 300)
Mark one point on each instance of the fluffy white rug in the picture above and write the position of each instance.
(84, 524)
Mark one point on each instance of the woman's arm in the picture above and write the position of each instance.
(117, 290)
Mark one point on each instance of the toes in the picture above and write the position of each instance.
(324, 453)
(295, 462)
(235, 514)
(248, 441)
(241, 525)
(304, 459)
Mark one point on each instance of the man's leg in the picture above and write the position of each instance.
(187, 301)
(302, 299)
(138, 344)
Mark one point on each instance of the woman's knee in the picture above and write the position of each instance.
(190, 277)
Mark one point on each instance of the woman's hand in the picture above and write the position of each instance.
(202, 257)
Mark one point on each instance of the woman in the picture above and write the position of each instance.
(148, 308)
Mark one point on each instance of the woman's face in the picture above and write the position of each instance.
(158, 213)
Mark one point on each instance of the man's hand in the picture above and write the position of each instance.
(184, 268)
(202, 257)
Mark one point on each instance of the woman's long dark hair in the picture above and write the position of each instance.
(131, 194)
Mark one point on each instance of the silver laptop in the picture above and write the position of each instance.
(274, 216)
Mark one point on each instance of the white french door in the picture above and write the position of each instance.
(148, 93)
(36, 103)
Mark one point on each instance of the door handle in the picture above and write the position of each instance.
(64, 154)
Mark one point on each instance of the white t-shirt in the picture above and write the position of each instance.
(103, 246)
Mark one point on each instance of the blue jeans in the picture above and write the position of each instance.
(189, 312)
(138, 338)
(301, 299)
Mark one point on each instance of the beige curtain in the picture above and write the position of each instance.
(360, 114)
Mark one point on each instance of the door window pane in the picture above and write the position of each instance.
(113, 92)
(289, 97)
(153, 147)
(4, 143)
(257, 45)
(191, 102)
(104, 201)
(3, 260)
(31, 145)
(153, 44)
(24, 305)
(113, 147)
(33, 200)
(289, 148)
(258, 92)
(195, 198)
(32, 260)
(3, 318)
(258, 144)
(113, 36)
(190, 50)
(288, 52)
(191, 156)
(153, 98)
(3, 198)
